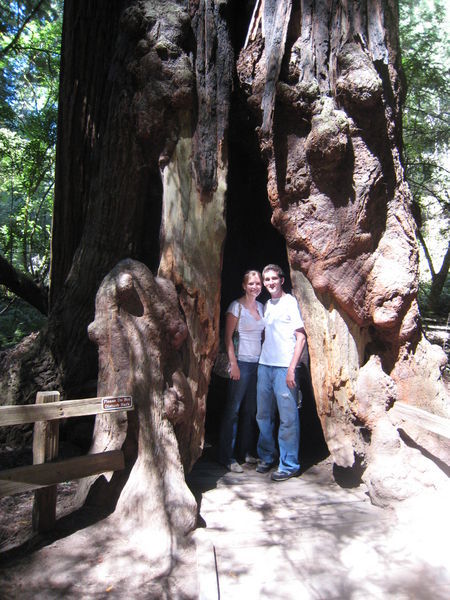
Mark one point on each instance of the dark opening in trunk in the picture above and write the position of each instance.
(251, 243)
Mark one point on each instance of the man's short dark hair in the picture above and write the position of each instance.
(278, 270)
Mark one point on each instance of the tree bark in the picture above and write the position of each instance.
(338, 196)
(323, 82)
(142, 174)
(148, 183)
(123, 79)
(139, 330)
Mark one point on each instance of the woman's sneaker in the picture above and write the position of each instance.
(235, 467)
(250, 460)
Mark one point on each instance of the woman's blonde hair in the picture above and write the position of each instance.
(249, 274)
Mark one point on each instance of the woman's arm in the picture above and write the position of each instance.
(230, 325)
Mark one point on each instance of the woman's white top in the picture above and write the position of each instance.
(250, 331)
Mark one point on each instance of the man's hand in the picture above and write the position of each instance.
(299, 345)
(290, 378)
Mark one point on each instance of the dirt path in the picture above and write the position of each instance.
(304, 539)
(310, 539)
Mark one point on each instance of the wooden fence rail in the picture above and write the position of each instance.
(422, 418)
(43, 475)
(24, 479)
(19, 415)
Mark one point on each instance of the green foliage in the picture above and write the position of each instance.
(442, 309)
(426, 125)
(30, 34)
(425, 62)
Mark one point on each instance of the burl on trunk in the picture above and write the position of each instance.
(139, 330)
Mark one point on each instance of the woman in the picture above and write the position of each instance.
(245, 315)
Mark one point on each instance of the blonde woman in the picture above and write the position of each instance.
(246, 315)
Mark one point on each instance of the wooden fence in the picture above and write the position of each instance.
(43, 475)
(421, 418)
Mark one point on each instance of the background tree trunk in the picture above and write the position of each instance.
(124, 77)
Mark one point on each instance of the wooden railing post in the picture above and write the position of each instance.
(45, 448)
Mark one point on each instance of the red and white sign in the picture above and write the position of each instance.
(110, 403)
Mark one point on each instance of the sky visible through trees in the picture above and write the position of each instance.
(30, 33)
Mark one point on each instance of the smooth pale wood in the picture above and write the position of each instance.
(423, 418)
(19, 415)
(45, 449)
(254, 22)
(45, 438)
(23, 479)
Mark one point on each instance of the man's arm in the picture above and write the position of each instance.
(299, 345)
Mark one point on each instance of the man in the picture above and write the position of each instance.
(284, 340)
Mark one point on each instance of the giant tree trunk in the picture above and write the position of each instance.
(323, 78)
(148, 120)
(142, 168)
(128, 133)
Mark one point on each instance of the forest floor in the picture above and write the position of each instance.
(15, 511)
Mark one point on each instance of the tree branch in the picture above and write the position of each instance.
(49, 51)
(10, 303)
(415, 109)
(438, 282)
(23, 286)
(435, 165)
(428, 190)
(13, 42)
(427, 254)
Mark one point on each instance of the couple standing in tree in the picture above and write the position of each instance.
(263, 378)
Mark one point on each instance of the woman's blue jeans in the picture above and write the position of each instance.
(273, 392)
(241, 398)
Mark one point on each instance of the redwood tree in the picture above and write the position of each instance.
(142, 169)
(142, 173)
(324, 79)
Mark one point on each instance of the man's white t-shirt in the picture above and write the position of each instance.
(282, 319)
(250, 331)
